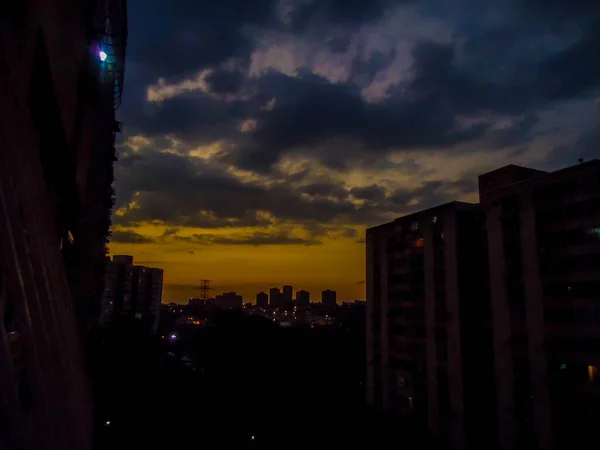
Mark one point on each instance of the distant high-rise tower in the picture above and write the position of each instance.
(262, 300)
(303, 298)
(275, 297)
(132, 291)
(229, 300)
(329, 298)
(287, 297)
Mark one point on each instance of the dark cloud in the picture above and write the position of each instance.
(340, 12)
(430, 194)
(129, 237)
(177, 37)
(586, 147)
(255, 239)
(489, 85)
(575, 70)
(504, 69)
(182, 191)
(338, 44)
(348, 233)
(193, 116)
(560, 13)
(370, 193)
(325, 189)
(310, 111)
(225, 81)
(365, 70)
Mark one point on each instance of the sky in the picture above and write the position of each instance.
(262, 137)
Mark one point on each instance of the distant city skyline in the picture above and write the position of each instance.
(181, 293)
(313, 297)
(242, 274)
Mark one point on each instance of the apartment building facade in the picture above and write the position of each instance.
(544, 240)
(57, 130)
(132, 291)
(482, 318)
(428, 322)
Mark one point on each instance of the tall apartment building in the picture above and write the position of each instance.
(428, 322)
(229, 300)
(481, 318)
(132, 291)
(57, 122)
(287, 296)
(262, 300)
(329, 298)
(544, 244)
(275, 298)
(303, 298)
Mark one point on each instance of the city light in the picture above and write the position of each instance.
(107, 423)
(102, 55)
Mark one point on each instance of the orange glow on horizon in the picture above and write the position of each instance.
(337, 264)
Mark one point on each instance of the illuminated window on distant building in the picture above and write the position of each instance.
(419, 243)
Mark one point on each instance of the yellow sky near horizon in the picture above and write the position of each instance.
(337, 264)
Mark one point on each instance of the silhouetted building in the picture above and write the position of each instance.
(275, 298)
(196, 302)
(132, 291)
(427, 329)
(544, 245)
(229, 300)
(303, 299)
(524, 260)
(287, 296)
(196, 306)
(57, 122)
(262, 300)
(329, 298)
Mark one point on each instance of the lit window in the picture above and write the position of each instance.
(70, 237)
(563, 366)
(434, 219)
(414, 226)
(419, 243)
(592, 373)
